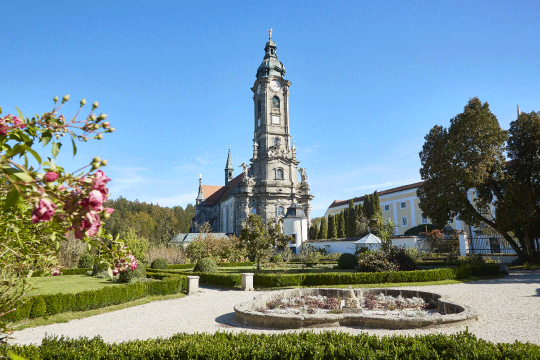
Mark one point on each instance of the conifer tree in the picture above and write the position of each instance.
(333, 234)
(351, 223)
(345, 221)
(323, 231)
(376, 204)
(340, 225)
(330, 227)
(368, 208)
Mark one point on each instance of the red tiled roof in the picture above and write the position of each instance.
(337, 203)
(208, 190)
(222, 192)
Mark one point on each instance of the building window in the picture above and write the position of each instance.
(259, 108)
(254, 211)
(258, 122)
(386, 207)
(404, 221)
(279, 174)
(403, 205)
(280, 211)
(276, 141)
(424, 219)
(275, 102)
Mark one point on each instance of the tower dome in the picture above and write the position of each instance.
(270, 65)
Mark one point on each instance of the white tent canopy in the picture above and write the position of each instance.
(369, 239)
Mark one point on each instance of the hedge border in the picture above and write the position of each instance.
(74, 271)
(304, 345)
(40, 305)
(337, 278)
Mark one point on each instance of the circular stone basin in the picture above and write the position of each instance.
(253, 312)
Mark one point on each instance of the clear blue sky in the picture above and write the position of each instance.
(369, 81)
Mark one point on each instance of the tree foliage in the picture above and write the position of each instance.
(470, 155)
(260, 240)
(156, 223)
(323, 230)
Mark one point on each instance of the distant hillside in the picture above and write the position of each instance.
(156, 223)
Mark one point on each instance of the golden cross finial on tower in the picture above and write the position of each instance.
(270, 33)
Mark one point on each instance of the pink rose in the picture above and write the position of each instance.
(115, 272)
(17, 121)
(43, 210)
(100, 182)
(94, 201)
(51, 176)
(91, 223)
(55, 272)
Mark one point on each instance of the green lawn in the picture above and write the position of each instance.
(46, 285)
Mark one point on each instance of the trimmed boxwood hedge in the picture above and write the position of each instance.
(304, 345)
(93, 299)
(76, 271)
(335, 278)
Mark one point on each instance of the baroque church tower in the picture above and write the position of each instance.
(269, 184)
(274, 163)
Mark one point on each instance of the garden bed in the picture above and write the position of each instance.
(381, 308)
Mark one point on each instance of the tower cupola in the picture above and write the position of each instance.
(270, 66)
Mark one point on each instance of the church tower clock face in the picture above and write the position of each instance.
(275, 85)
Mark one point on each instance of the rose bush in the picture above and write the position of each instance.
(40, 203)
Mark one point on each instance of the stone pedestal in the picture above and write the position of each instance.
(192, 285)
(247, 281)
(463, 244)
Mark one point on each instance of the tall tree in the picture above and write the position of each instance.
(323, 230)
(470, 155)
(345, 222)
(331, 227)
(340, 226)
(351, 223)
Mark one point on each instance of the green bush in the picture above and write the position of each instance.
(159, 263)
(206, 265)
(397, 259)
(131, 276)
(86, 261)
(303, 345)
(276, 259)
(419, 229)
(347, 261)
(93, 299)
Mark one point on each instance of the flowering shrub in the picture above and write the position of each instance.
(40, 205)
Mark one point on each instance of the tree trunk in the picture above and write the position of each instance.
(259, 264)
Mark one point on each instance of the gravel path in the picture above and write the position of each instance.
(509, 308)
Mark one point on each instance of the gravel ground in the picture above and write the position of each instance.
(509, 308)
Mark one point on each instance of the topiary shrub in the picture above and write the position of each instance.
(159, 263)
(207, 265)
(276, 258)
(86, 261)
(131, 276)
(347, 261)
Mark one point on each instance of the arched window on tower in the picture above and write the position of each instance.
(275, 102)
(276, 141)
(280, 211)
(259, 109)
(279, 174)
